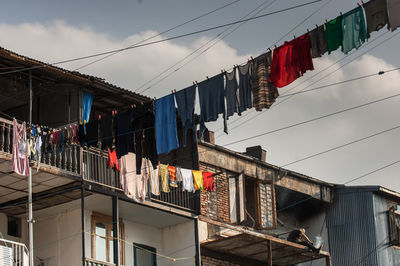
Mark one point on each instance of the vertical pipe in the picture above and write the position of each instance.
(30, 213)
(115, 214)
(83, 224)
(197, 243)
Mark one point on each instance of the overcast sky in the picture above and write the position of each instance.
(57, 30)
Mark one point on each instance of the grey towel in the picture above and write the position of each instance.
(376, 16)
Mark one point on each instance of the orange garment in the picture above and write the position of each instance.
(112, 160)
(208, 181)
(172, 176)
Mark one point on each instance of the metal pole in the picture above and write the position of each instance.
(197, 243)
(115, 218)
(30, 213)
(83, 224)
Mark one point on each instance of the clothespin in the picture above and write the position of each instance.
(316, 25)
(194, 82)
(340, 13)
(326, 21)
(84, 122)
(294, 37)
(99, 117)
(308, 31)
(174, 91)
(362, 2)
(358, 4)
(207, 77)
(251, 58)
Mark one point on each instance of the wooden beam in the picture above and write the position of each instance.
(269, 253)
(230, 257)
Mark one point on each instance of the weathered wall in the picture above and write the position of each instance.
(24, 230)
(207, 261)
(387, 255)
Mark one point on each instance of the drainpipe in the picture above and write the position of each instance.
(197, 242)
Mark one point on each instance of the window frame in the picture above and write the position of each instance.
(137, 246)
(107, 221)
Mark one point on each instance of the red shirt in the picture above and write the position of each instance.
(302, 52)
(284, 68)
(208, 181)
(112, 160)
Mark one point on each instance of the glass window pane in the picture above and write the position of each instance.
(111, 247)
(144, 255)
(101, 248)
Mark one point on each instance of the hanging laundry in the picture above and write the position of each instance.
(245, 98)
(113, 160)
(164, 176)
(38, 153)
(106, 131)
(68, 133)
(354, 31)
(172, 176)
(375, 14)
(264, 92)
(134, 185)
(179, 177)
(75, 137)
(124, 138)
(87, 100)
(143, 125)
(208, 181)
(165, 124)
(31, 146)
(60, 145)
(155, 182)
(334, 34)
(302, 53)
(92, 133)
(187, 180)
(185, 100)
(284, 68)
(212, 102)
(231, 93)
(393, 13)
(81, 134)
(56, 136)
(20, 160)
(198, 180)
(318, 42)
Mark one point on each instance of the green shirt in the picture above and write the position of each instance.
(333, 34)
(354, 29)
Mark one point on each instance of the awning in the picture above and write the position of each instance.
(254, 248)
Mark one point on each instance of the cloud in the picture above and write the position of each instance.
(58, 41)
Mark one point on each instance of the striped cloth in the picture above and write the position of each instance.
(264, 92)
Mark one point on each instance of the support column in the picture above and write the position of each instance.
(197, 242)
(30, 212)
(115, 218)
(83, 224)
(328, 261)
(269, 246)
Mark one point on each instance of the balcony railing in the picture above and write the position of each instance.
(92, 262)
(13, 253)
(91, 165)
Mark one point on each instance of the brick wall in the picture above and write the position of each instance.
(215, 204)
(207, 261)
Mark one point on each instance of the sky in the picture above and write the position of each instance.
(53, 31)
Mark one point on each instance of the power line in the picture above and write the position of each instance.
(341, 146)
(314, 119)
(195, 51)
(278, 103)
(164, 40)
(161, 33)
(372, 172)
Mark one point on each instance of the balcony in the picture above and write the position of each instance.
(92, 262)
(90, 165)
(13, 253)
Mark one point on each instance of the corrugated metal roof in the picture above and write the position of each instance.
(30, 62)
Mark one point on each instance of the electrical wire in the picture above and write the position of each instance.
(161, 33)
(163, 40)
(313, 119)
(341, 146)
(202, 46)
(278, 103)
(372, 172)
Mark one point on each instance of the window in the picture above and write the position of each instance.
(13, 226)
(102, 239)
(144, 255)
(252, 202)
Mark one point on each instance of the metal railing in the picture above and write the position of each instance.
(91, 165)
(13, 253)
(92, 262)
